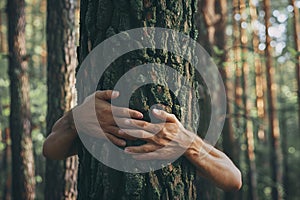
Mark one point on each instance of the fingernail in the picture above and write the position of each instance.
(140, 115)
(115, 94)
(123, 143)
(156, 111)
(127, 150)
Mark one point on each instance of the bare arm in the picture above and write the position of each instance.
(173, 138)
(214, 165)
(94, 111)
(61, 144)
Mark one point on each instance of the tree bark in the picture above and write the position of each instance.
(23, 176)
(275, 151)
(99, 20)
(60, 175)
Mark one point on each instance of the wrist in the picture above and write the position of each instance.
(194, 149)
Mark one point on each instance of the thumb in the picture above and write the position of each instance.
(107, 94)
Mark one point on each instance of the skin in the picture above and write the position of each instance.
(164, 140)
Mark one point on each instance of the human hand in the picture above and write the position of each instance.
(96, 117)
(165, 141)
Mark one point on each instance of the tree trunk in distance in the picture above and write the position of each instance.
(215, 17)
(61, 176)
(23, 175)
(250, 154)
(296, 24)
(275, 151)
(259, 80)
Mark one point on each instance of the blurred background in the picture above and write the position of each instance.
(256, 45)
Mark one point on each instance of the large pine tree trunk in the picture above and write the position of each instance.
(275, 151)
(60, 175)
(23, 175)
(99, 20)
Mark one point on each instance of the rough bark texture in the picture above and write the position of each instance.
(101, 19)
(23, 185)
(275, 151)
(60, 175)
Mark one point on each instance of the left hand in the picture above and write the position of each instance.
(170, 138)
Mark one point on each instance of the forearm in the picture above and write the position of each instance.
(214, 165)
(61, 141)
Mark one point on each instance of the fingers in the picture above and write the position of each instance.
(163, 115)
(126, 112)
(146, 148)
(107, 94)
(115, 140)
(142, 125)
(137, 134)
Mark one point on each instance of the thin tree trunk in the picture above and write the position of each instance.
(250, 155)
(259, 80)
(238, 101)
(97, 181)
(296, 24)
(2, 44)
(275, 151)
(60, 175)
(23, 176)
(284, 130)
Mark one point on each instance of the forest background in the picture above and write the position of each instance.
(260, 66)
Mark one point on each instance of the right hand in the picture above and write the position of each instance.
(95, 111)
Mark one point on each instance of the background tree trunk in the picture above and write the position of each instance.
(259, 80)
(250, 156)
(215, 17)
(99, 20)
(275, 151)
(296, 24)
(23, 176)
(61, 176)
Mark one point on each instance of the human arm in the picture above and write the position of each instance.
(171, 138)
(61, 142)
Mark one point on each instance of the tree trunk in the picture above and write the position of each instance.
(23, 176)
(250, 155)
(283, 118)
(238, 101)
(275, 151)
(259, 80)
(60, 175)
(296, 24)
(215, 17)
(99, 20)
